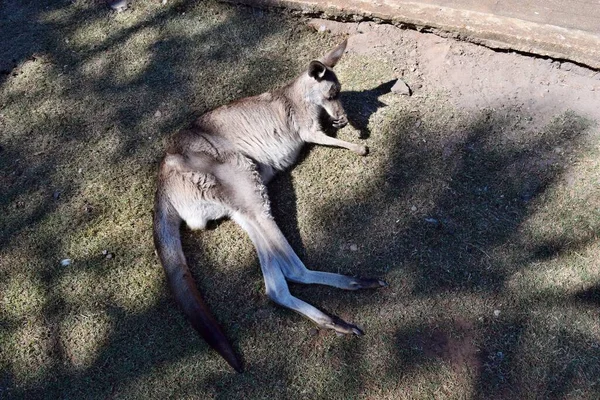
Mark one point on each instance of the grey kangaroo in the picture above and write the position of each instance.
(219, 168)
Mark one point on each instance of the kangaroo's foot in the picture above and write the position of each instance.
(342, 327)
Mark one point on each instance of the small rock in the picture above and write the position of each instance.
(104, 252)
(109, 256)
(157, 114)
(313, 332)
(566, 66)
(353, 247)
(80, 170)
(322, 28)
(164, 2)
(496, 313)
(56, 195)
(401, 88)
(119, 5)
(66, 262)
(413, 208)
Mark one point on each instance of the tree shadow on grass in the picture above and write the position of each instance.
(456, 198)
(477, 190)
(164, 83)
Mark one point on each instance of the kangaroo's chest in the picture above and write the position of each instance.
(261, 128)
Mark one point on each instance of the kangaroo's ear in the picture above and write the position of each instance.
(317, 70)
(332, 58)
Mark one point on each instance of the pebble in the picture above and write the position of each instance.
(401, 88)
(66, 262)
(353, 247)
(119, 5)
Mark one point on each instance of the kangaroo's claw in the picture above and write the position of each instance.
(340, 122)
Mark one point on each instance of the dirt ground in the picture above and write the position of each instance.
(478, 203)
(474, 76)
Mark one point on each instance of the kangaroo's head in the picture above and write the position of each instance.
(322, 89)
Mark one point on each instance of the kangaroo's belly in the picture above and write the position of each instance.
(278, 151)
(281, 155)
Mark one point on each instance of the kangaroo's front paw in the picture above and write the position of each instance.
(340, 122)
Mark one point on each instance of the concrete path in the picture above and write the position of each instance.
(581, 15)
(564, 30)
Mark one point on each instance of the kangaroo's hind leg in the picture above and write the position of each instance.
(295, 270)
(246, 196)
(272, 263)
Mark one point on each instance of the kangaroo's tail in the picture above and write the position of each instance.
(167, 241)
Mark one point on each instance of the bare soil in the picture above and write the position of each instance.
(476, 77)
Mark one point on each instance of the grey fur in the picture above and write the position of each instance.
(219, 168)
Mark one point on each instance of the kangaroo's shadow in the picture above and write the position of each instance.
(359, 106)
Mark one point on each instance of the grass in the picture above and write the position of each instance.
(484, 225)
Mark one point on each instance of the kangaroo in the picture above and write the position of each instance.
(219, 168)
